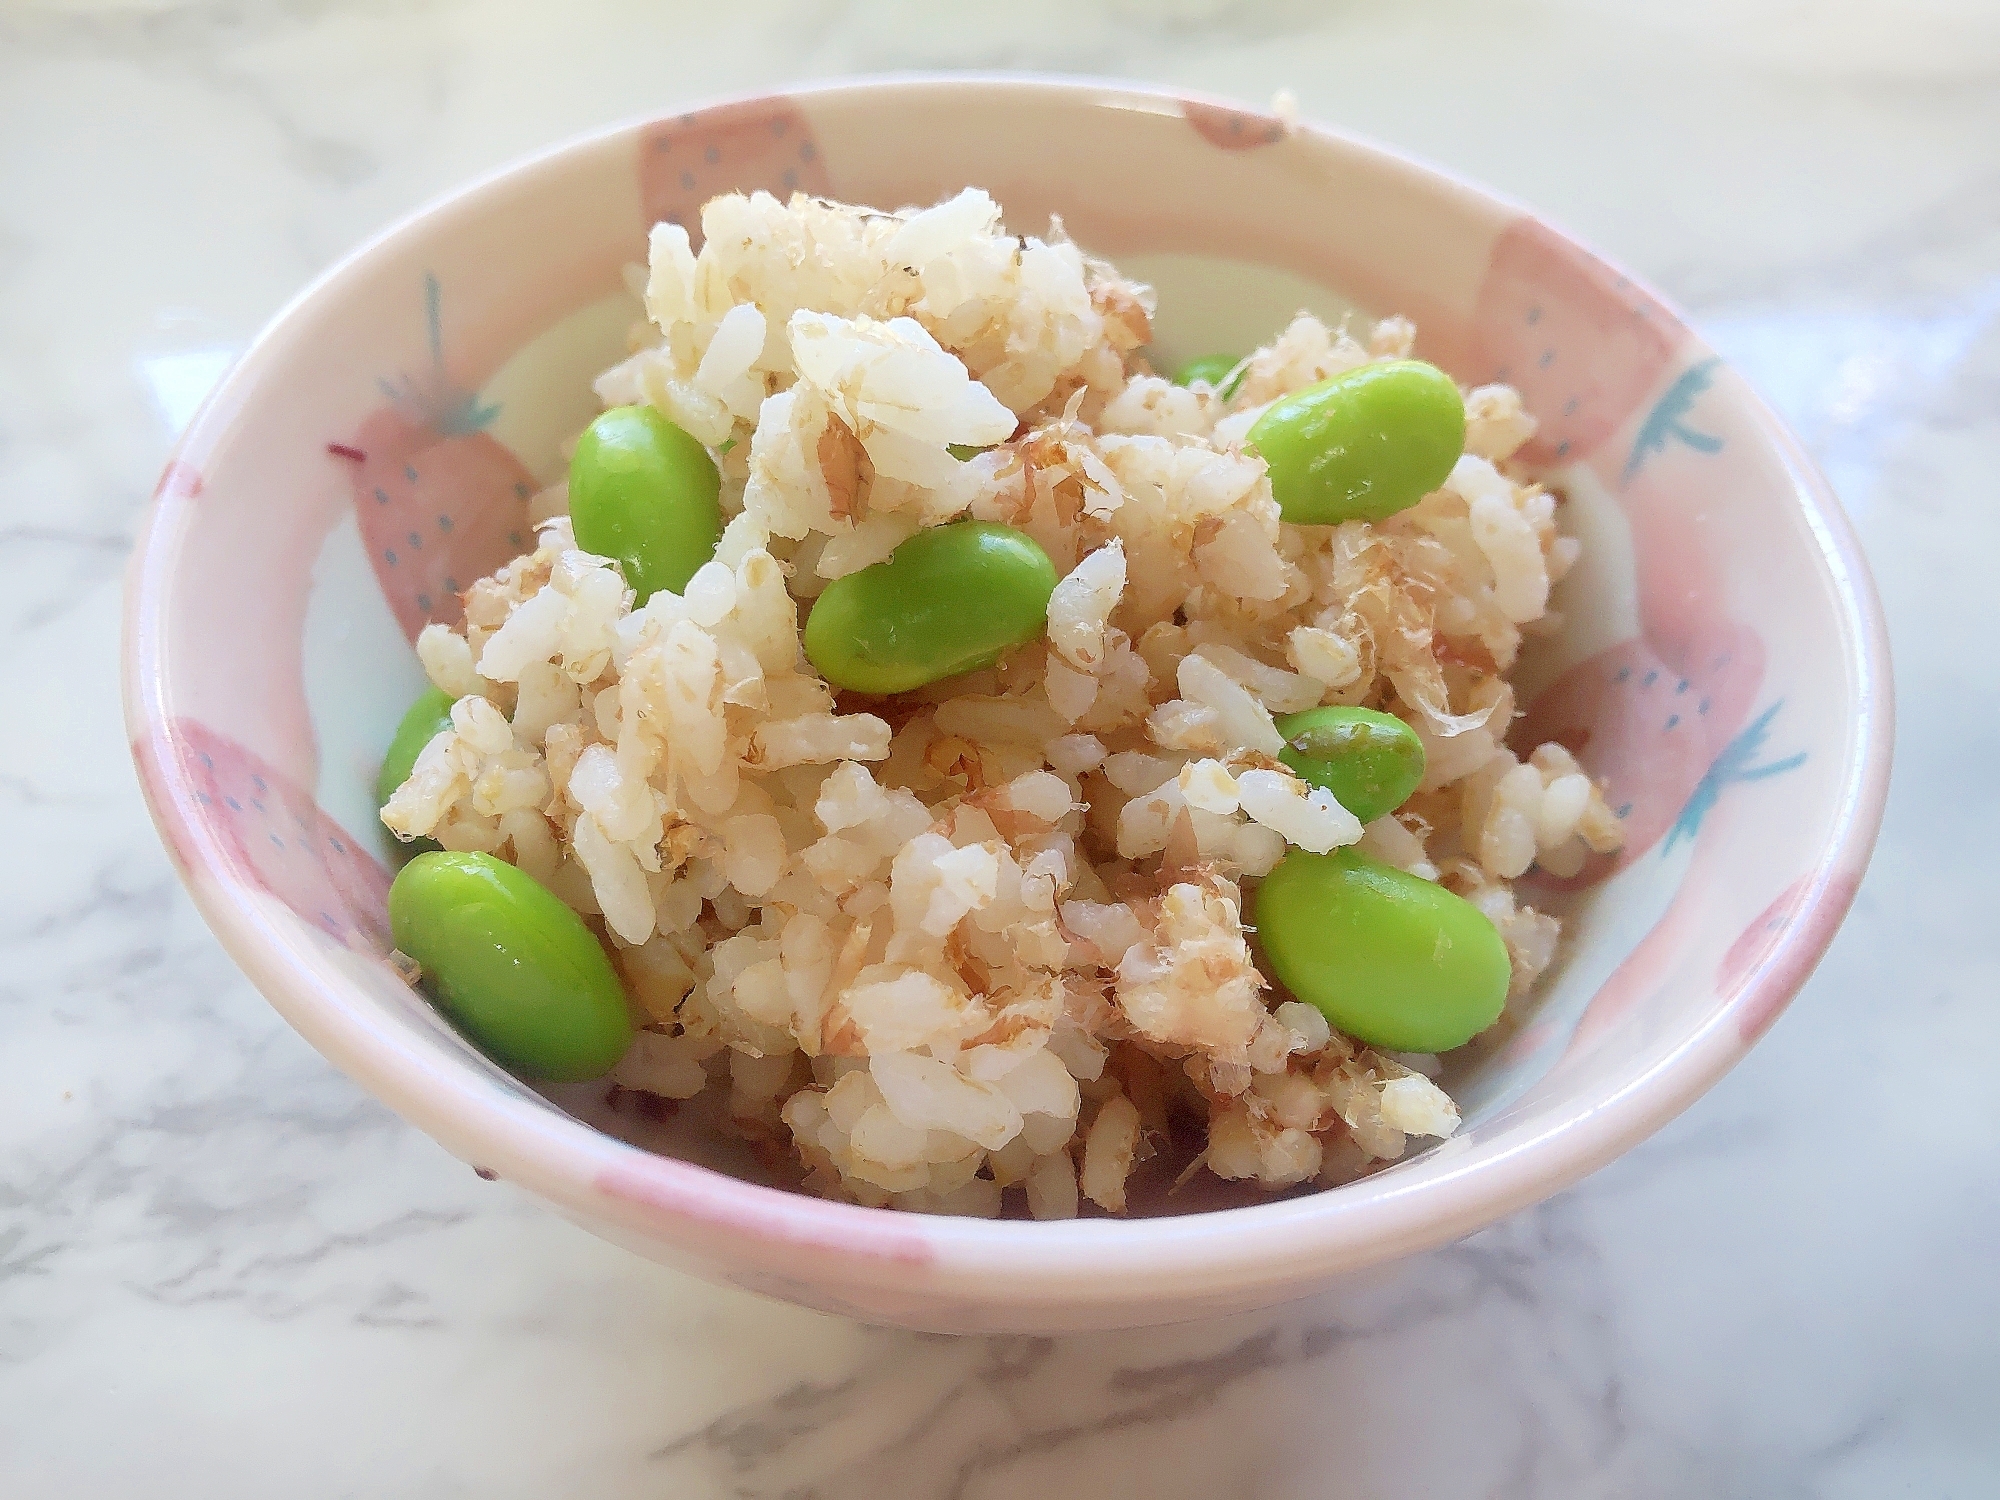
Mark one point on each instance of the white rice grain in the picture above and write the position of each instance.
(1245, 723)
(1107, 1153)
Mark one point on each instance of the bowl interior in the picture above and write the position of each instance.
(375, 450)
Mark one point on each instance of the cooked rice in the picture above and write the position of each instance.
(988, 935)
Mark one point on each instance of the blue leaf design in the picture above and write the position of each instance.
(449, 412)
(434, 320)
(1667, 421)
(1732, 765)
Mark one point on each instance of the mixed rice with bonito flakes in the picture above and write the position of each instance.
(941, 937)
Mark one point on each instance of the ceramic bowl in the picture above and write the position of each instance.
(1722, 667)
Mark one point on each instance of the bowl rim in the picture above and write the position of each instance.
(1096, 1260)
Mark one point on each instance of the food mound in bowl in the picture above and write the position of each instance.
(952, 890)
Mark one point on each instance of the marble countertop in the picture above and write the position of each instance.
(225, 1270)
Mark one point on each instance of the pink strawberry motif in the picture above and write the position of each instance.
(762, 143)
(1660, 720)
(439, 501)
(1232, 129)
(1582, 345)
(1652, 963)
(1650, 720)
(279, 840)
(1762, 936)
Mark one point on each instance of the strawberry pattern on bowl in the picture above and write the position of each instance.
(279, 840)
(759, 143)
(439, 501)
(1577, 339)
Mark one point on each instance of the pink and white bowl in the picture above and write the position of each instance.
(1723, 667)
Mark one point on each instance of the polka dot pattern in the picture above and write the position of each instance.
(434, 509)
(687, 159)
(277, 839)
(1582, 345)
(1621, 714)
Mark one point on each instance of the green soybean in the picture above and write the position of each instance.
(1370, 761)
(951, 599)
(1390, 959)
(1212, 370)
(1363, 445)
(644, 492)
(512, 965)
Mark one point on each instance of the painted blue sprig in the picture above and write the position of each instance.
(1731, 766)
(1668, 420)
(448, 412)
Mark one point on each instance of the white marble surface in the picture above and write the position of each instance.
(226, 1271)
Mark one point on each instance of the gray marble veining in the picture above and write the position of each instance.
(220, 1261)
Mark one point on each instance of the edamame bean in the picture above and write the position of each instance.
(642, 491)
(514, 967)
(1392, 960)
(1370, 761)
(420, 725)
(1363, 445)
(948, 600)
(1212, 369)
